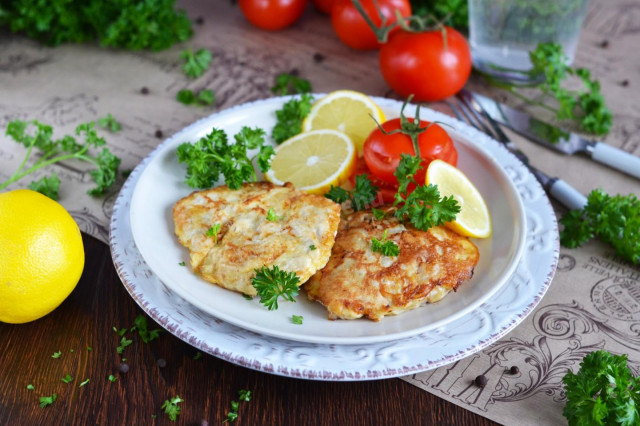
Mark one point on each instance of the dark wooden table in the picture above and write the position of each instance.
(166, 367)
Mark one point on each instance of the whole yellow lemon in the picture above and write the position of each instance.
(41, 255)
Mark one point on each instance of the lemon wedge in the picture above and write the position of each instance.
(313, 161)
(474, 219)
(346, 111)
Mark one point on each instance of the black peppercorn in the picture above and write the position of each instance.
(481, 380)
(159, 134)
(144, 90)
(514, 369)
(162, 363)
(124, 368)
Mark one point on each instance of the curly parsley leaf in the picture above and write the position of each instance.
(204, 97)
(603, 392)
(272, 283)
(287, 83)
(196, 63)
(213, 156)
(289, 117)
(47, 185)
(615, 220)
(67, 148)
(109, 123)
(171, 407)
(363, 194)
(384, 246)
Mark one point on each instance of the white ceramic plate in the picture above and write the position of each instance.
(455, 340)
(161, 184)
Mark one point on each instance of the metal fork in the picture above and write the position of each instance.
(467, 109)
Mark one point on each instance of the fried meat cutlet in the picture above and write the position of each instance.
(358, 282)
(298, 240)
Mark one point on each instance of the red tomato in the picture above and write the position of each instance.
(382, 152)
(386, 191)
(351, 27)
(323, 6)
(421, 64)
(272, 14)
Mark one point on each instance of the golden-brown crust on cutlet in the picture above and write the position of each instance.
(247, 240)
(358, 282)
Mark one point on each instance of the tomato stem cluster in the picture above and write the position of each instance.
(409, 128)
(413, 23)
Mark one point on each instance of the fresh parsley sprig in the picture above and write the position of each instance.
(289, 117)
(196, 63)
(213, 156)
(603, 392)
(204, 97)
(615, 220)
(361, 196)
(272, 283)
(384, 246)
(67, 148)
(423, 207)
(586, 107)
(287, 83)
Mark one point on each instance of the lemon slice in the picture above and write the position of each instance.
(346, 111)
(473, 219)
(313, 161)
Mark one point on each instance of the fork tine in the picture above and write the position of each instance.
(478, 107)
(477, 121)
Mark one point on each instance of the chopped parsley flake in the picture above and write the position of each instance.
(30, 387)
(47, 400)
(296, 319)
(67, 379)
(83, 383)
(56, 355)
(198, 355)
(182, 264)
(244, 395)
(213, 232)
(123, 344)
(312, 247)
(171, 407)
(272, 216)
(112, 378)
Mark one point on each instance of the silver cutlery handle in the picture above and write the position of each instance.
(567, 195)
(616, 158)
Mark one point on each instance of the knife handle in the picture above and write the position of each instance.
(567, 195)
(616, 158)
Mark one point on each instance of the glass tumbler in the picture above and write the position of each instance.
(503, 32)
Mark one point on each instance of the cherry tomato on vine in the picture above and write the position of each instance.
(272, 14)
(351, 27)
(424, 65)
(382, 152)
(323, 6)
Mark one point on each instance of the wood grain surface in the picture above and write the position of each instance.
(207, 385)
